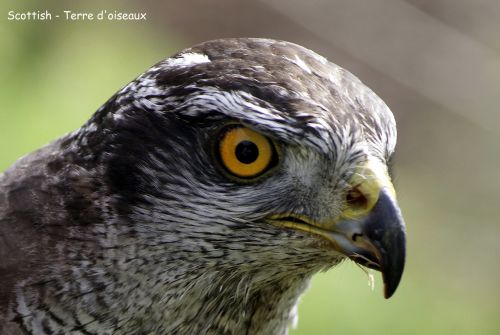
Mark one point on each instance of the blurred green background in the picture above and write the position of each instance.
(435, 63)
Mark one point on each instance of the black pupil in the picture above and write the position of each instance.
(247, 152)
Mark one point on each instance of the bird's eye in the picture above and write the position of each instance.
(244, 152)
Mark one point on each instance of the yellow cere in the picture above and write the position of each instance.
(228, 152)
(368, 180)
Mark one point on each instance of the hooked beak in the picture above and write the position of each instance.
(371, 231)
(377, 241)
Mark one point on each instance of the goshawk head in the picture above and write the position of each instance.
(203, 195)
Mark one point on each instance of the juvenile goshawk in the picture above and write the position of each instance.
(201, 198)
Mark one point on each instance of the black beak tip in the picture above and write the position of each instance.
(392, 269)
(387, 232)
(390, 287)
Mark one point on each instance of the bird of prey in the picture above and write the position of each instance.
(201, 198)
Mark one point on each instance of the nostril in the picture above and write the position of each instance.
(355, 236)
(356, 199)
